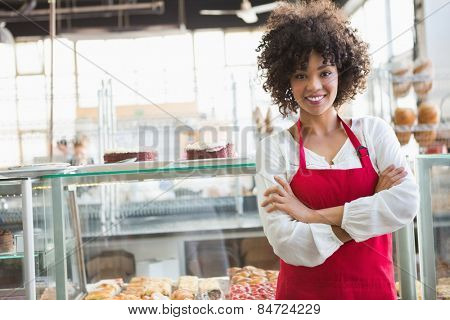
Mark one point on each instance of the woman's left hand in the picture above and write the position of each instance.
(284, 199)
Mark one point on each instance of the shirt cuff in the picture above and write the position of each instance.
(326, 241)
(333, 237)
(346, 223)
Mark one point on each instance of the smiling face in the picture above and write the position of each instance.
(315, 85)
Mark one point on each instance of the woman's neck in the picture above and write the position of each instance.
(320, 125)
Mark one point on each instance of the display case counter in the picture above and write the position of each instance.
(433, 224)
(17, 258)
(154, 219)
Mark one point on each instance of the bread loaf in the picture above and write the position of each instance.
(428, 115)
(401, 83)
(423, 69)
(404, 117)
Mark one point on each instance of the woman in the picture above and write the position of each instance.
(332, 190)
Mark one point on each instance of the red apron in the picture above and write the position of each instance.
(357, 270)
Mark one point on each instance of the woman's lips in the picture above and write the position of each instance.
(315, 100)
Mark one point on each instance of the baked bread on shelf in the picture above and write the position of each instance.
(404, 119)
(428, 117)
(401, 83)
(423, 70)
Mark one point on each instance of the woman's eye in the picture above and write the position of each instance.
(300, 76)
(326, 74)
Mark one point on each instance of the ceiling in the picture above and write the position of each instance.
(97, 16)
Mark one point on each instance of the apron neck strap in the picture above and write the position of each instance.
(361, 150)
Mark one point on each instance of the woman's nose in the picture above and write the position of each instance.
(314, 84)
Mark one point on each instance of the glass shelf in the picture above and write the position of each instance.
(139, 171)
(13, 255)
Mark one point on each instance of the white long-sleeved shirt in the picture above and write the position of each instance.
(310, 245)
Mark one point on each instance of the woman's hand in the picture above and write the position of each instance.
(390, 177)
(282, 198)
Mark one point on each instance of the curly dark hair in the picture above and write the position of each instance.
(294, 30)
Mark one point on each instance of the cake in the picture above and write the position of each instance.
(116, 156)
(6, 241)
(201, 150)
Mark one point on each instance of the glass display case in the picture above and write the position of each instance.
(153, 219)
(433, 225)
(22, 239)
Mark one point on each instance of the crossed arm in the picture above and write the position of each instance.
(283, 199)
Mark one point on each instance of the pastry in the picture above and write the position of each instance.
(116, 156)
(160, 286)
(239, 279)
(123, 296)
(102, 292)
(98, 295)
(146, 286)
(243, 273)
(158, 296)
(272, 275)
(182, 294)
(6, 241)
(258, 280)
(189, 283)
(404, 118)
(258, 273)
(232, 271)
(210, 289)
(252, 275)
(136, 291)
(201, 150)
